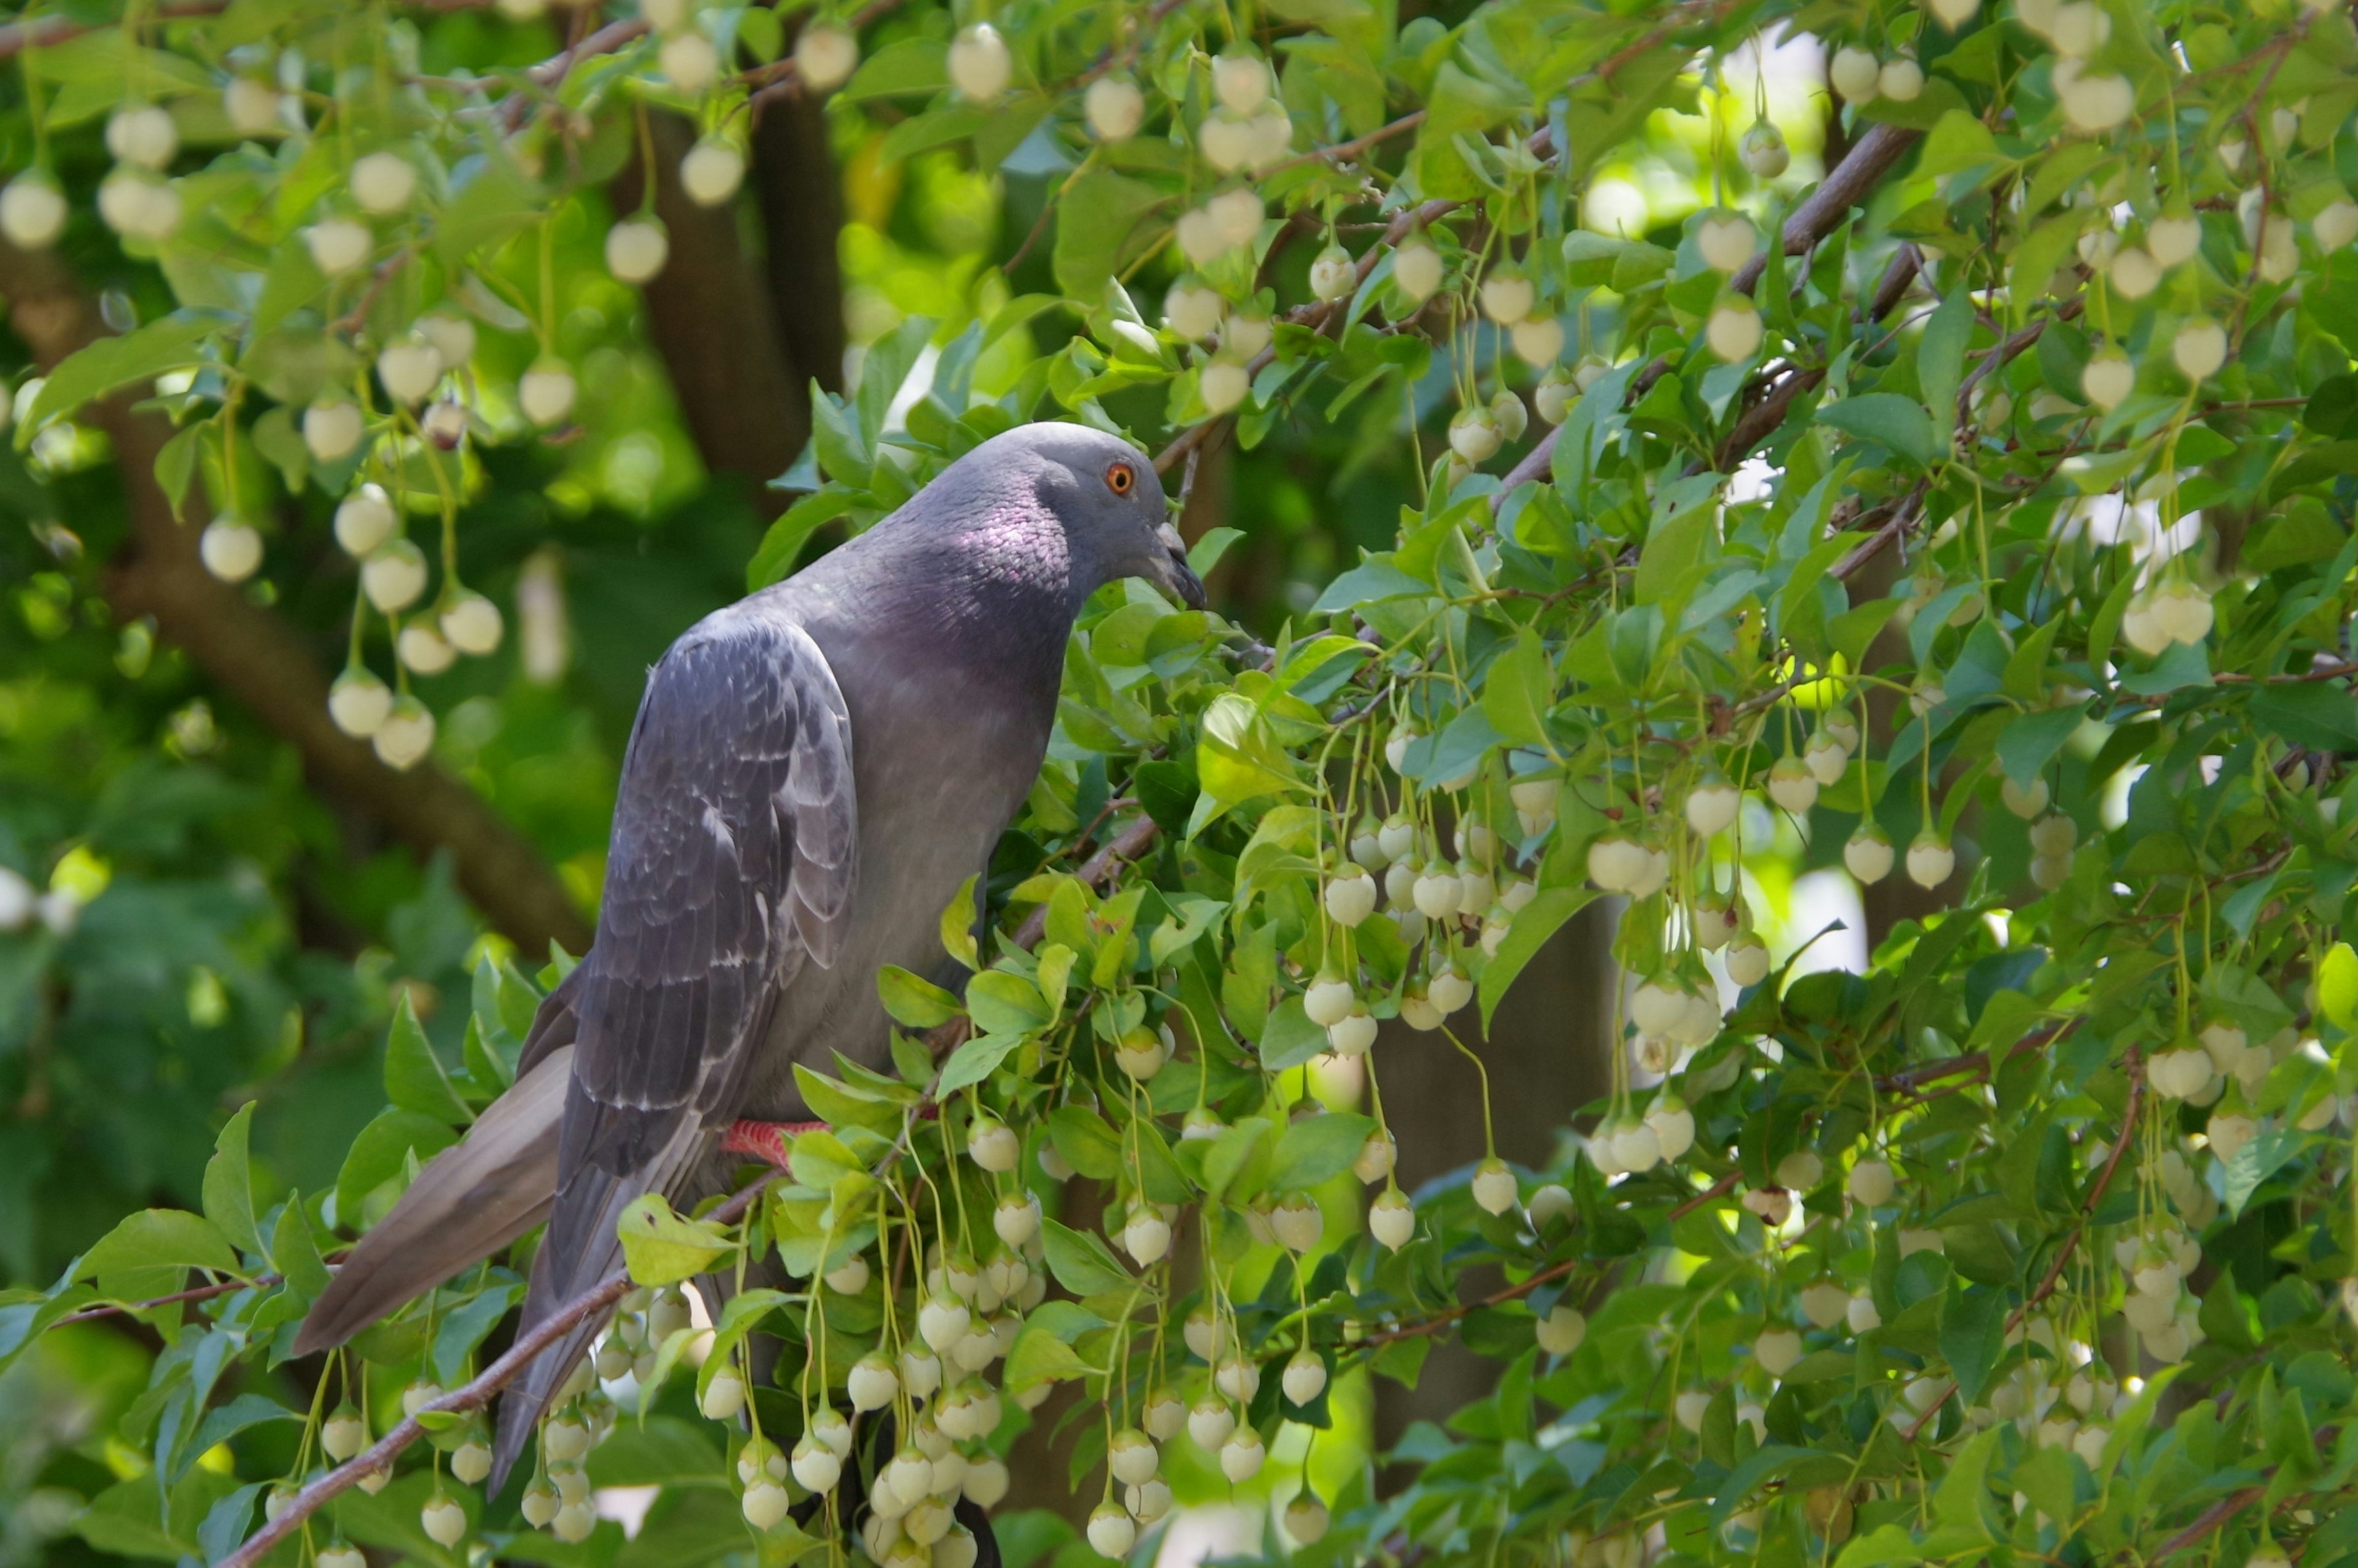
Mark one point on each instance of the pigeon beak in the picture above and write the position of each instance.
(1177, 577)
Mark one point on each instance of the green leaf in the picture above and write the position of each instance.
(662, 1248)
(1897, 422)
(228, 1183)
(914, 1002)
(2028, 743)
(2259, 1160)
(1318, 1149)
(743, 1313)
(1102, 227)
(1082, 1264)
(782, 544)
(1372, 580)
(1532, 927)
(1087, 1144)
(1002, 1002)
(414, 1079)
(141, 354)
(1519, 690)
(1957, 142)
(380, 1151)
(158, 1239)
(975, 1061)
(491, 200)
(957, 925)
(1940, 361)
(1040, 1356)
(295, 1251)
(1289, 1038)
(2337, 987)
(1972, 1324)
(1237, 759)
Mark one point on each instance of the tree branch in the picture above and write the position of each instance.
(256, 659)
(465, 1400)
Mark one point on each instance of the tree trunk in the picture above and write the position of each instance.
(802, 220)
(258, 661)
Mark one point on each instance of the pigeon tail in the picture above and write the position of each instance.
(468, 1201)
(582, 1248)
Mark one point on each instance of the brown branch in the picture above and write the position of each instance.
(1128, 844)
(259, 661)
(2209, 1519)
(462, 1400)
(1825, 209)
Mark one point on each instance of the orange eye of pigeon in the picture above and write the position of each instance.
(1122, 479)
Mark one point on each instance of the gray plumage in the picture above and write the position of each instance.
(813, 773)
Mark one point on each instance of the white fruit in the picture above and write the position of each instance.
(1561, 1332)
(546, 391)
(2054, 835)
(1825, 1302)
(723, 1397)
(871, 1383)
(1391, 1219)
(1711, 805)
(688, 61)
(232, 550)
(251, 106)
(1868, 855)
(1332, 274)
(1747, 960)
(816, 1466)
(393, 577)
(1673, 1126)
(443, 1521)
(1826, 758)
(1223, 386)
(1115, 107)
(1242, 338)
(1507, 297)
(1494, 1186)
(574, 1522)
(332, 428)
(1229, 140)
(1855, 73)
(138, 206)
(1871, 1183)
(344, 1435)
(1474, 436)
(2097, 102)
(1237, 1378)
(1901, 79)
(1791, 786)
(1799, 1171)
(992, 1145)
(1111, 1532)
(1512, 418)
(826, 56)
(1378, 1153)
(1297, 1222)
(1733, 331)
(1929, 861)
(1240, 81)
(664, 15)
(711, 172)
(1353, 1035)
(764, 1504)
(471, 624)
(1304, 1378)
(1349, 900)
(2025, 804)
(1192, 310)
(2108, 378)
(1146, 1236)
(342, 1556)
(359, 703)
(1209, 1423)
(383, 183)
(1328, 1001)
(2134, 274)
(1417, 270)
(405, 736)
(1306, 1519)
(1861, 1314)
(539, 1507)
(1241, 1455)
(2174, 237)
(636, 249)
(1763, 151)
(1449, 989)
(2200, 348)
(1777, 1350)
(979, 64)
(423, 649)
(471, 1461)
(339, 244)
(364, 520)
(32, 212)
(142, 136)
(1727, 241)
(2228, 1132)
(408, 368)
(1552, 399)
(2335, 225)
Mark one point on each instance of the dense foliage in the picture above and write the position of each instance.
(1982, 519)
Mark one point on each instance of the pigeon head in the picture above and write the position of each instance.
(1107, 500)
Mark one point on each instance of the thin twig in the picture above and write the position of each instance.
(471, 1397)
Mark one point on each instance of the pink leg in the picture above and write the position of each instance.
(766, 1141)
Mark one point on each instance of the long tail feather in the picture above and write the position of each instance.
(470, 1201)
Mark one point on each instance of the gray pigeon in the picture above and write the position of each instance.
(813, 773)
